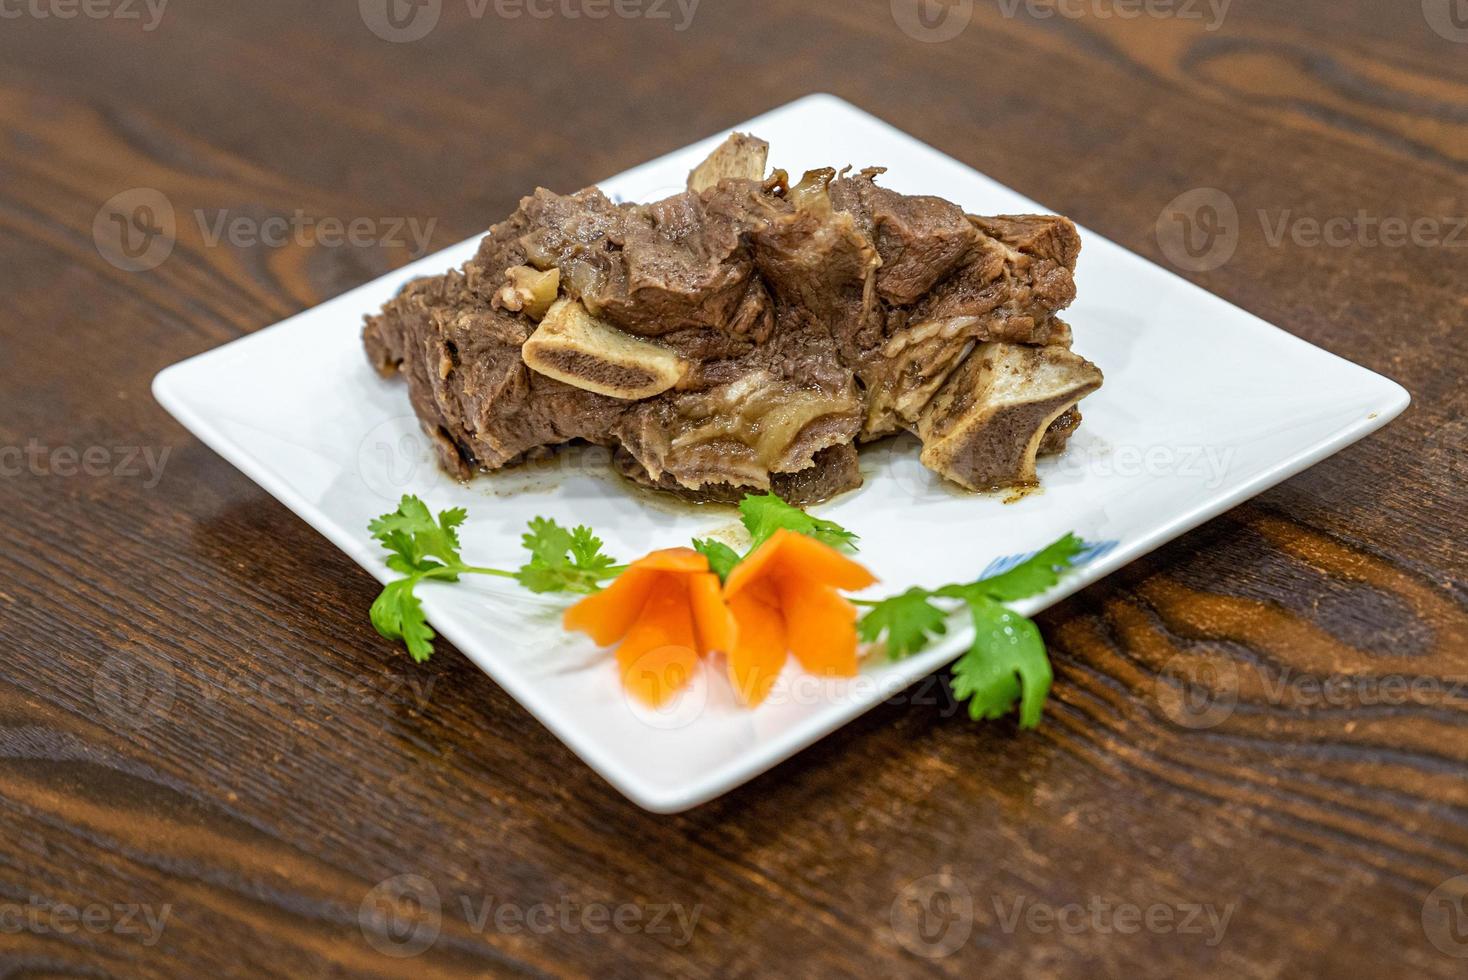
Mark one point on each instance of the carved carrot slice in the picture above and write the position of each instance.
(821, 628)
(760, 648)
(657, 657)
(608, 615)
(712, 621)
(663, 610)
(668, 608)
(788, 552)
(784, 599)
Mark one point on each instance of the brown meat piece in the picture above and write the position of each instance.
(786, 324)
(985, 427)
(835, 471)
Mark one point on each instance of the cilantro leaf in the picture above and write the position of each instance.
(765, 514)
(547, 542)
(422, 548)
(910, 621)
(1007, 663)
(411, 533)
(722, 558)
(398, 615)
(1031, 577)
(586, 553)
(562, 560)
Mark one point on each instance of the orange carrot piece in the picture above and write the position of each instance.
(608, 615)
(820, 625)
(760, 646)
(811, 560)
(789, 553)
(673, 560)
(658, 657)
(713, 622)
(755, 564)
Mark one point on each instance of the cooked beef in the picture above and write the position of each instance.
(921, 240)
(834, 470)
(984, 428)
(745, 334)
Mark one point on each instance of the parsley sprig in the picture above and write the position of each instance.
(564, 561)
(424, 548)
(762, 515)
(1007, 663)
(722, 558)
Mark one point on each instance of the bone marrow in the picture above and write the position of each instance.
(573, 346)
(986, 426)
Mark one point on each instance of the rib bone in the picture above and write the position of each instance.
(573, 346)
(984, 428)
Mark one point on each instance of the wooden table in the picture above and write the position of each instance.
(198, 724)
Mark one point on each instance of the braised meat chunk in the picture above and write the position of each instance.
(747, 334)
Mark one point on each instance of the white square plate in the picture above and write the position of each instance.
(1204, 406)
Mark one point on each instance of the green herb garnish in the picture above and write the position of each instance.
(1007, 662)
(1006, 666)
(764, 515)
(422, 548)
(722, 558)
(564, 561)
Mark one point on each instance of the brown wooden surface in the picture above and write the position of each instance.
(262, 812)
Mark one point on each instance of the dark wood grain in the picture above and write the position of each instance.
(197, 719)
